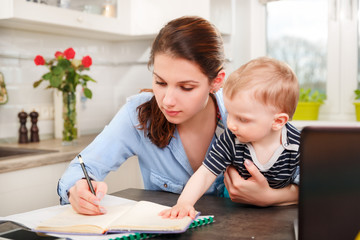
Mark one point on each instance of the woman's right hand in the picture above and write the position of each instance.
(256, 190)
(83, 201)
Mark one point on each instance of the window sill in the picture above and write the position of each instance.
(301, 124)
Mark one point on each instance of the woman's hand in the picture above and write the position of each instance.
(256, 190)
(83, 201)
(179, 211)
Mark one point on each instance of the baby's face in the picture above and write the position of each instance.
(249, 119)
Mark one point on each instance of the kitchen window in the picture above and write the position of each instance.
(319, 40)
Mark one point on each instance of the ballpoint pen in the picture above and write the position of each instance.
(86, 174)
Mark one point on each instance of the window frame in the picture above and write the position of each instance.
(342, 56)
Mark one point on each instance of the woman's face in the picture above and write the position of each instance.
(181, 89)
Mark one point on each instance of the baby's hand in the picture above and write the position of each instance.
(179, 211)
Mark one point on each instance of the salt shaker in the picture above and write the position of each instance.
(34, 130)
(23, 132)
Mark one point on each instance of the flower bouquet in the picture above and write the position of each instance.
(65, 75)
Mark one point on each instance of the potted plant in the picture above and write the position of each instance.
(65, 74)
(309, 104)
(357, 104)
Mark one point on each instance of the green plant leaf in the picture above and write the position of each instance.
(37, 83)
(55, 81)
(87, 93)
(56, 70)
(64, 63)
(76, 79)
(47, 76)
(357, 93)
(307, 95)
(87, 78)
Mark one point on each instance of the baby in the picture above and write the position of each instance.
(260, 97)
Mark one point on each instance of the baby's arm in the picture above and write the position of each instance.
(197, 185)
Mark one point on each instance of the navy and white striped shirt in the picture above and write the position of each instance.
(280, 171)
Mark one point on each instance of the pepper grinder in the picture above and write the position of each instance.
(23, 132)
(34, 130)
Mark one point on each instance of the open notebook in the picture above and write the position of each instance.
(42, 220)
(142, 216)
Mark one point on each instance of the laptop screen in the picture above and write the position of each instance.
(329, 196)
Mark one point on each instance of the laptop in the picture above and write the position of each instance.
(329, 192)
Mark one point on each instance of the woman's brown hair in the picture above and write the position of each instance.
(191, 38)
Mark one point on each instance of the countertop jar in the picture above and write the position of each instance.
(109, 8)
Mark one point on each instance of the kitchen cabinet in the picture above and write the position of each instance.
(29, 181)
(19, 14)
(136, 19)
(32, 188)
(147, 17)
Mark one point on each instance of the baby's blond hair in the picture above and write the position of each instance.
(274, 83)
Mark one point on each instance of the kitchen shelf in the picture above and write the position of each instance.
(301, 124)
(19, 14)
(137, 19)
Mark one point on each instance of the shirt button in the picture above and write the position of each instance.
(165, 185)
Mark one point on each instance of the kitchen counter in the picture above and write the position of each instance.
(61, 154)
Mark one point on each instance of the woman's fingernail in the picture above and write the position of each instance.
(99, 195)
(96, 202)
(102, 210)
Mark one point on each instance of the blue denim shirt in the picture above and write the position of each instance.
(165, 169)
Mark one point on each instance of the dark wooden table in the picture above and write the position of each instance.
(232, 220)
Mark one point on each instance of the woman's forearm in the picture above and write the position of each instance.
(284, 196)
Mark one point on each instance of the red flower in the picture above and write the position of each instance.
(69, 53)
(39, 60)
(58, 54)
(86, 61)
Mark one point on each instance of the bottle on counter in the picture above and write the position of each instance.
(64, 3)
(109, 8)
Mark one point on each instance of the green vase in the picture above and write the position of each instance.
(69, 117)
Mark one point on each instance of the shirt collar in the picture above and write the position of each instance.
(286, 142)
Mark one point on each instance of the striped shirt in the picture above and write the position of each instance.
(280, 171)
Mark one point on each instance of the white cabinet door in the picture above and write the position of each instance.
(135, 18)
(147, 17)
(20, 14)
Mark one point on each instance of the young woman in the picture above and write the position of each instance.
(171, 127)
